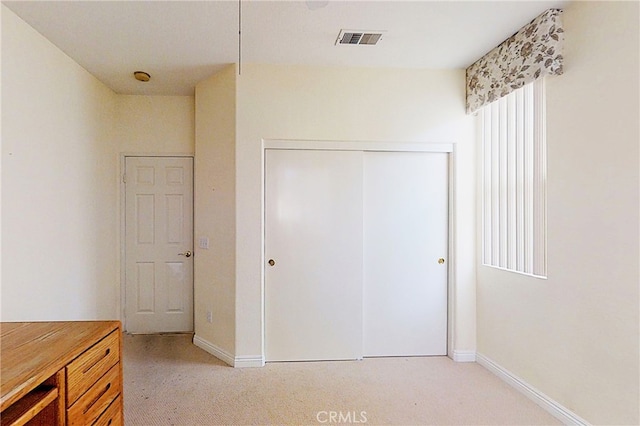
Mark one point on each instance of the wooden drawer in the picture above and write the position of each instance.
(85, 370)
(96, 400)
(113, 415)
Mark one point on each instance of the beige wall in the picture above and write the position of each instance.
(1, 12)
(155, 124)
(351, 104)
(59, 174)
(62, 134)
(575, 335)
(215, 197)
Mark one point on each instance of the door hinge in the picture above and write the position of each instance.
(124, 178)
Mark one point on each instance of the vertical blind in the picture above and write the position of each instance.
(514, 181)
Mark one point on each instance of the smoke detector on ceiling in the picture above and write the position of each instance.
(355, 37)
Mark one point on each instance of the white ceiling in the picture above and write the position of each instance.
(183, 42)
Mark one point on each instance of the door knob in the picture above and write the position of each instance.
(185, 254)
(271, 262)
(441, 260)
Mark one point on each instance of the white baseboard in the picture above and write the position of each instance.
(249, 361)
(221, 354)
(561, 413)
(214, 350)
(464, 356)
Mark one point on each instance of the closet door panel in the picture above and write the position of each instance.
(405, 237)
(313, 255)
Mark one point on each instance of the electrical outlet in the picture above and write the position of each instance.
(209, 316)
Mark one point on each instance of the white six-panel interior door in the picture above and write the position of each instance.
(355, 253)
(158, 244)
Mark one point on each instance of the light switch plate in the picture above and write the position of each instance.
(203, 243)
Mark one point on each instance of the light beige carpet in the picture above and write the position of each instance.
(169, 381)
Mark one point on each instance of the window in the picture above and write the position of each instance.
(514, 181)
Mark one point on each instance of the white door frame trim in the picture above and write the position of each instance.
(356, 145)
(337, 145)
(121, 201)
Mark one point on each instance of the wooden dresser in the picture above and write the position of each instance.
(61, 373)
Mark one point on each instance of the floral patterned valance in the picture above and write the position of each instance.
(531, 53)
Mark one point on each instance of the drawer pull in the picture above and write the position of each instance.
(88, 407)
(106, 354)
(89, 367)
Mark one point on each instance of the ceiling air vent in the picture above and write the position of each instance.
(369, 38)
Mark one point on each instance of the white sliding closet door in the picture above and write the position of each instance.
(405, 235)
(313, 235)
